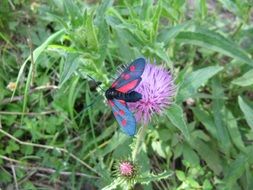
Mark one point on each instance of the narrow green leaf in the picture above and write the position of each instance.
(156, 17)
(214, 41)
(233, 130)
(176, 116)
(247, 110)
(146, 9)
(245, 80)
(103, 32)
(203, 8)
(91, 34)
(27, 86)
(194, 80)
(218, 114)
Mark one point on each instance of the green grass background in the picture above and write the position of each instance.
(52, 139)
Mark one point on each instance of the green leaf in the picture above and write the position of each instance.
(115, 141)
(235, 171)
(190, 155)
(233, 130)
(247, 110)
(71, 64)
(214, 41)
(208, 154)
(206, 119)
(194, 80)
(146, 178)
(167, 34)
(180, 175)
(113, 185)
(158, 148)
(245, 80)
(176, 116)
(103, 33)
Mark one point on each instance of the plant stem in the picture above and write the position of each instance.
(139, 141)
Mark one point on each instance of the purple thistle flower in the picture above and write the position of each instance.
(126, 169)
(157, 88)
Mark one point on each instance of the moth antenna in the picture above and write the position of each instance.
(98, 83)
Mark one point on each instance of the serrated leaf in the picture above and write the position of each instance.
(214, 41)
(176, 116)
(247, 110)
(194, 80)
(245, 80)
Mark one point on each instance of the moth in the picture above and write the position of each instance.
(122, 91)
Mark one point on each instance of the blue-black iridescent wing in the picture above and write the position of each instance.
(123, 116)
(130, 77)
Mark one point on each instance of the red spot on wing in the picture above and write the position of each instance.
(121, 112)
(114, 84)
(126, 76)
(129, 86)
(123, 122)
(122, 102)
(132, 68)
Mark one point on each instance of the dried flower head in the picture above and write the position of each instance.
(12, 86)
(157, 88)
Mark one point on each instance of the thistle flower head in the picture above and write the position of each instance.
(127, 171)
(126, 168)
(157, 88)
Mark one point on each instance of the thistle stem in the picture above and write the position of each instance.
(139, 141)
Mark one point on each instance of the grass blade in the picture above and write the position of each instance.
(36, 53)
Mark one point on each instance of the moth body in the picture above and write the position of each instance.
(112, 93)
